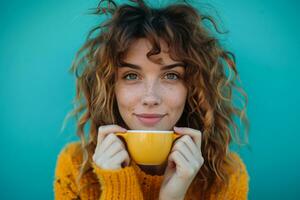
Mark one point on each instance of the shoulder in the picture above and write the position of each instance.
(238, 184)
(238, 166)
(72, 149)
(70, 155)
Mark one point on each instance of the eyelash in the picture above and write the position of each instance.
(125, 77)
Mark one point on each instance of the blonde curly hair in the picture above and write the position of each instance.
(210, 77)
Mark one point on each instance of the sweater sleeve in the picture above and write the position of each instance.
(64, 183)
(114, 184)
(119, 184)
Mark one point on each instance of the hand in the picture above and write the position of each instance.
(184, 162)
(110, 151)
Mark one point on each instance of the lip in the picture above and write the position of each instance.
(149, 119)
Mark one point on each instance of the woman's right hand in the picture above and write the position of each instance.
(110, 152)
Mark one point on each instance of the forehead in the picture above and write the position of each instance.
(139, 48)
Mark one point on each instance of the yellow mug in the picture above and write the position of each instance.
(149, 147)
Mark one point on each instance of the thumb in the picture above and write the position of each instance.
(171, 162)
(171, 166)
(126, 162)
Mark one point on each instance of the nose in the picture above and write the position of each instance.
(151, 95)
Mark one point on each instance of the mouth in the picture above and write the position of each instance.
(150, 119)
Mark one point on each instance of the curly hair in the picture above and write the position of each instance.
(210, 77)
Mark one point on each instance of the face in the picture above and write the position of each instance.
(150, 96)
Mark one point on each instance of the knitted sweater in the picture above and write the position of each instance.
(129, 183)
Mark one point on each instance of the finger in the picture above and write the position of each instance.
(178, 159)
(103, 131)
(196, 135)
(192, 146)
(184, 150)
(108, 141)
(120, 157)
(112, 150)
(185, 170)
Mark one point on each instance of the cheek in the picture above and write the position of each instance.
(127, 97)
(175, 97)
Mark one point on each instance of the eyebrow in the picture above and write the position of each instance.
(165, 67)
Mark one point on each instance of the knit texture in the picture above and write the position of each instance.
(129, 183)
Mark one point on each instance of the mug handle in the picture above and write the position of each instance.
(175, 136)
(123, 135)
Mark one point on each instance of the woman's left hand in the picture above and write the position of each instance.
(184, 162)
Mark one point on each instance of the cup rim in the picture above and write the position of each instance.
(149, 131)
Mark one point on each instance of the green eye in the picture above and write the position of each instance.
(172, 76)
(130, 76)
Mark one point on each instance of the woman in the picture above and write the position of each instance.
(153, 69)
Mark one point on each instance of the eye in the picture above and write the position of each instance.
(172, 76)
(130, 76)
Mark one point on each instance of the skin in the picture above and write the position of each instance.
(150, 89)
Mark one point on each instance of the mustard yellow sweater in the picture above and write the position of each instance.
(129, 183)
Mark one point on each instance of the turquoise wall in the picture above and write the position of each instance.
(38, 40)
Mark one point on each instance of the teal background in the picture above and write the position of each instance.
(38, 40)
